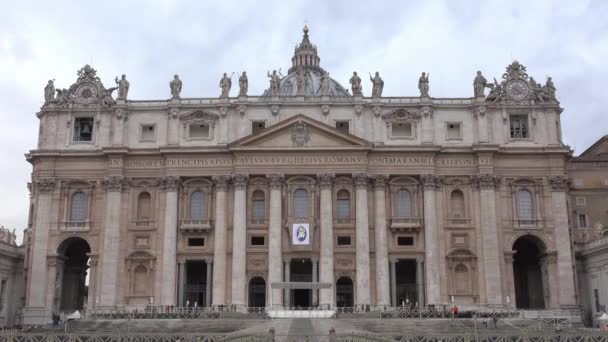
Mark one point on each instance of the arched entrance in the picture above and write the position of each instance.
(529, 280)
(257, 292)
(74, 281)
(344, 292)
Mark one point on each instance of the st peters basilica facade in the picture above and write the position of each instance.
(309, 195)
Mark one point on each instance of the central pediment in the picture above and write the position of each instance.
(299, 132)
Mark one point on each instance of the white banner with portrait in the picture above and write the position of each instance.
(300, 234)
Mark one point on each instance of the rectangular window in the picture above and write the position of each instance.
(148, 132)
(519, 126)
(83, 129)
(257, 241)
(199, 131)
(342, 126)
(343, 240)
(257, 126)
(454, 131)
(401, 129)
(405, 241)
(581, 201)
(196, 242)
(582, 221)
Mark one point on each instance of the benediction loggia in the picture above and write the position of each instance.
(309, 195)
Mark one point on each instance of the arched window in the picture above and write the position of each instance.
(525, 208)
(343, 204)
(198, 205)
(403, 204)
(461, 279)
(457, 204)
(78, 207)
(258, 206)
(144, 203)
(300, 203)
(140, 283)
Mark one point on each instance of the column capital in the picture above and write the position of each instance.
(169, 183)
(430, 182)
(361, 180)
(325, 180)
(549, 258)
(239, 181)
(275, 180)
(221, 182)
(115, 183)
(558, 183)
(45, 184)
(379, 181)
(509, 257)
(486, 181)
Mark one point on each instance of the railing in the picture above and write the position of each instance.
(528, 223)
(196, 224)
(344, 220)
(457, 221)
(75, 226)
(258, 221)
(405, 223)
(143, 223)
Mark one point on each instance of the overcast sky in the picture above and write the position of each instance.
(199, 40)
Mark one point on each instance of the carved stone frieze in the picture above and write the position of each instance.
(379, 181)
(173, 113)
(559, 183)
(170, 183)
(223, 111)
(358, 109)
(115, 183)
(325, 109)
(221, 182)
(275, 180)
(377, 110)
(239, 181)
(300, 134)
(361, 180)
(486, 181)
(121, 114)
(274, 109)
(431, 182)
(242, 109)
(325, 180)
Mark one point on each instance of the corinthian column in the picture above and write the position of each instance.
(382, 277)
(362, 240)
(431, 245)
(170, 186)
(565, 275)
(219, 242)
(275, 258)
(111, 240)
(239, 239)
(489, 237)
(326, 260)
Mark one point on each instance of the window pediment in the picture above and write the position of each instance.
(198, 116)
(402, 115)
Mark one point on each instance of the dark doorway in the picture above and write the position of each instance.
(406, 289)
(344, 292)
(527, 273)
(301, 271)
(196, 283)
(74, 281)
(257, 293)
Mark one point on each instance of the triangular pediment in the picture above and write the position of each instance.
(597, 151)
(300, 132)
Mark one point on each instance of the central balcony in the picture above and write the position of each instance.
(195, 225)
(75, 226)
(405, 224)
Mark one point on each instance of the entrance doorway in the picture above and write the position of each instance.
(528, 277)
(344, 292)
(405, 279)
(196, 283)
(257, 293)
(74, 280)
(301, 271)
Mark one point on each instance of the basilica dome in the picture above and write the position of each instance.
(305, 63)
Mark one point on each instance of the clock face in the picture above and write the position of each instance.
(517, 90)
(86, 93)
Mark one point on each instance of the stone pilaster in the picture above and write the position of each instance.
(431, 236)
(111, 240)
(362, 240)
(181, 283)
(54, 266)
(170, 185)
(510, 281)
(489, 237)
(381, 243)
(120, 118)
(550, 281)
(559, 185)
(420, 281)
(315, 279)
(93, 279)
(239, 240)
(287, 295)
(393, 263)
(326, 265)
(275, 260)
(209, 281)
(219, 242)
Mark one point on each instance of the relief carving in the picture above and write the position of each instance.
(115, 183)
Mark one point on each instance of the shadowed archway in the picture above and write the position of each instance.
(529, 279)
(74, 280)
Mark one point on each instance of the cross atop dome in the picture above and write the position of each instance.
(305, 55)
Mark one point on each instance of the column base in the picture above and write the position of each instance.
(36, 316)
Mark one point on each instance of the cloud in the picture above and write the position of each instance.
(199, 40)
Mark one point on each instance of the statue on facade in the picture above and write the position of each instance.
(226, 84)
(325, 84)
(377, 85)
(176, 87)
(355, 84)
(423, 85)
(63, 97)
(49, 92)
(275, 82)
(123, 87)
(105, 97)
(550, 88)
(479, 84)
(495, 92)
(243, 84)
(301, 81)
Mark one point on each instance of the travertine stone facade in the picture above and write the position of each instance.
(389, 200)
(12, 292)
